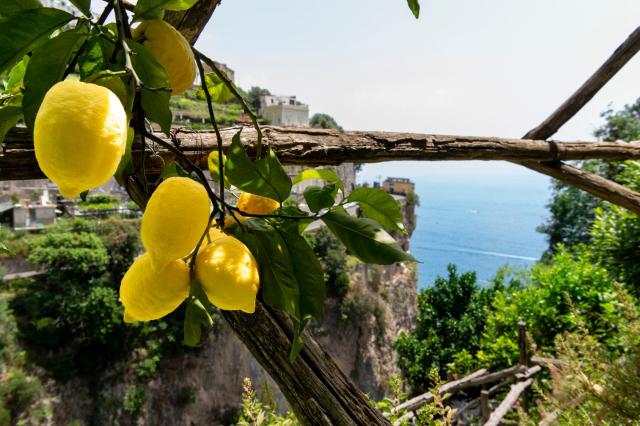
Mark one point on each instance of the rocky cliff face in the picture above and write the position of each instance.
(203, 386)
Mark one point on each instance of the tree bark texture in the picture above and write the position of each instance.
(319, 393)
(312, 147)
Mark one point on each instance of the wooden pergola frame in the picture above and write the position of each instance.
(318, 392)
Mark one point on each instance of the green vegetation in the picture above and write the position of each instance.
(324, 121)
(69, 320)
(190, 109)
(451, 318)
(579, 305)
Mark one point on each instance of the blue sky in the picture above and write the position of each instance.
(471, 67)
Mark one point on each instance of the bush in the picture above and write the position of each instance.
(546, 304)
(67, 254)
(333, 258)
(451, 317)
(593, 385)
(134, 398)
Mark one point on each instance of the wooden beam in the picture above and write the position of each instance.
(590, 182)
(312, 147)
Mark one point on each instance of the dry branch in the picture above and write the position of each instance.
(319, 146)
(476, 379)
(507, 404)
(590, 182)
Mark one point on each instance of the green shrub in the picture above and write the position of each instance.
(546, 305)
(451, 317)
(134, 398)
(66, 254)
(333, 258)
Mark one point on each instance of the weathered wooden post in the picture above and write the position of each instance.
(485, 408)
(524, 360)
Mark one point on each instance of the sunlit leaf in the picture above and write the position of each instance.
(323, 174)
(214, 167)
(154, 9)
(319, 198)
(265, 177)
(4, 249)
(9, 117)
(22, 31)
(365, 238)
(380, 206)
(45, 69)
(218, 91)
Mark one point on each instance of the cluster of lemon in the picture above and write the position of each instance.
(80, 137)
(80, 131)
(175, 219)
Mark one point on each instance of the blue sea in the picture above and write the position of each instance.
(477, 215)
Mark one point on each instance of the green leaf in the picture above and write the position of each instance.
(83, 195)
(83, 6)
(9, 7)
(154, 9)
(16, 76)
(265, 176)
(156, 90)
(4, 249)
(414, 5)
(297, 343)
(323, 174)
(214, 169)
(23, 30)
(9, 117)
(218, 91)
(172, 169)
(126, 162)
(319, 198)
(380, 206)
(365, 238)
(307, 270)
(45, 69)
(277, 277)
(196, 316)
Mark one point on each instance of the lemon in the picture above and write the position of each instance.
(171, 50)
(176, 216)
(256, 204)
(228, 274)
(79, 136)
(148, 294)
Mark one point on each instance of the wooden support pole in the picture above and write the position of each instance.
(524, 359)
(485, 407)
(507, 404)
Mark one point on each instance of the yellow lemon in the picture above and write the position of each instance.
(228, 274)
(176, 216)
(256, 204)
(171, 50)
(80, 135)
(148, 294)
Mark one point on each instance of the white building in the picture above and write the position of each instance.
(284, 111)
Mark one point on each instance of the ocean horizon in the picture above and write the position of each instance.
(479, 216)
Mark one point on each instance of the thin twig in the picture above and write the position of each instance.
(212, 118)
(222, 76)
(191, 166)
(74, 61)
